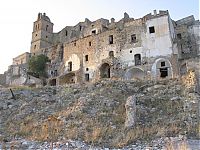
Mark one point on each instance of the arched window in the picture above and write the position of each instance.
(47, 27)
(111, 54)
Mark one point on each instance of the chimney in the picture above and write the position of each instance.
(154, 12)
(38, 16)
(126, 16)
(112, 20)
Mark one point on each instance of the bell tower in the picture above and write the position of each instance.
(42, 34)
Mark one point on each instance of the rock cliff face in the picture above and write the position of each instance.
(99, 113)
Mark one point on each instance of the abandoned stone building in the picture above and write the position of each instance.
(151, 47)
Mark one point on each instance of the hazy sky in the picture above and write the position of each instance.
(17, 17)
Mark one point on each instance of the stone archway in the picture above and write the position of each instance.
(162, 68)
(134, 73)
(105, 70)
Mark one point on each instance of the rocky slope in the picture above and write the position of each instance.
(96, 114)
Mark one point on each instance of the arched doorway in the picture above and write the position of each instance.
(105, 70)
(134, 73)
(162, 68)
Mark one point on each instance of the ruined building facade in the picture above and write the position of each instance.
(151, 47)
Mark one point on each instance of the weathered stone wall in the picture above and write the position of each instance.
(21, 59)
(194, 31)
(192, 64)
(77, 51)
(144, 48)
(17, 76)
(124, 48)
(2, 79)
(187, 30)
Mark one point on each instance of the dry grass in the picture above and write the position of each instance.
(182, 145)
(100, 121)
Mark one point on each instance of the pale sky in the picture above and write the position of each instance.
(17, 17)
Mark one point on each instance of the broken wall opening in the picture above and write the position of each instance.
(52, 82)
(134, 73)
(67, 79)
(105, 70)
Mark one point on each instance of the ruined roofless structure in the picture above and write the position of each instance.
(151, 47)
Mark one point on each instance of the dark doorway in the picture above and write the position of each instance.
(137, 58)
(111, 39)
(87, 77)
(53, 82)
(105, 70)
(163, 72)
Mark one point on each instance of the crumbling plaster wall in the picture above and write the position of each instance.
(158, 43)
(16, 75)
(128, 48)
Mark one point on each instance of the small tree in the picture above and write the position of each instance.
(37, 65)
